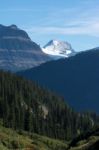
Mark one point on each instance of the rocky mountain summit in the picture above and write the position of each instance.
(18, 51)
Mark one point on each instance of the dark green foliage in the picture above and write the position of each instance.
(87, 141)
(84, 136)
(95, 146)
(26, 106)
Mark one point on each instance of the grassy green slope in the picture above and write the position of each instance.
(10, 139)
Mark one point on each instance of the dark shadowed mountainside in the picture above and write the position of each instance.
(75, 78)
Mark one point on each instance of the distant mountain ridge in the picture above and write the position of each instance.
(18, 51)
(75, 78)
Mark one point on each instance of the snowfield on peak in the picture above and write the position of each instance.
(58, 48)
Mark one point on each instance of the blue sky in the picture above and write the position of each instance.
(75, 21)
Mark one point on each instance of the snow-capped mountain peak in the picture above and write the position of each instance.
(58, 48)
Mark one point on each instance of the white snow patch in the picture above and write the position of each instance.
(58, 48)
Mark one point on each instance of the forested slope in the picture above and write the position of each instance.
(26, 106)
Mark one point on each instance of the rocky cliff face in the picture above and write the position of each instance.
(18, 51)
